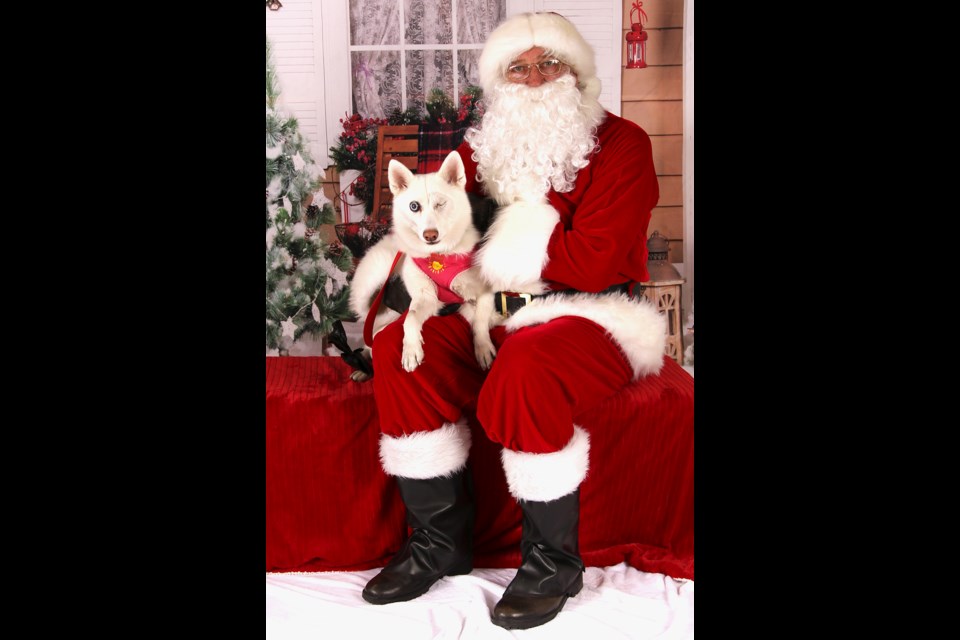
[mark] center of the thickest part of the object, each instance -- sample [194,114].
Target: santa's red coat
[601,238]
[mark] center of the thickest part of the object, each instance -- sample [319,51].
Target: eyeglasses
[547,68]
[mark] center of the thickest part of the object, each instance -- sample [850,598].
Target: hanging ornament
[637,39]
[332,271]
[320,199]
[289,328]
[315,312]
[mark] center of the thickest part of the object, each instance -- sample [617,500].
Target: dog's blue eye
[414,206]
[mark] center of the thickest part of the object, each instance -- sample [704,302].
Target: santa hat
[551,31]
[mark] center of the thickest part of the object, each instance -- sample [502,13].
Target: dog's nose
[431,235]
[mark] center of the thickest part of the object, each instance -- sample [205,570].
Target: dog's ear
[451,171]
[400,177]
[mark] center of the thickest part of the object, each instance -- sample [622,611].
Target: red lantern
[637,39]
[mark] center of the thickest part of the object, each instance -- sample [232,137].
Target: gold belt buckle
[503,301]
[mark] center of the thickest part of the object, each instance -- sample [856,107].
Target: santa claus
[575,186]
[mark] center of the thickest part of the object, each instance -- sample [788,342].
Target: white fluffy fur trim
[638,328]
[542,477]
[591,103]
[427,454]
[371,274]
[548,30]
[515,251]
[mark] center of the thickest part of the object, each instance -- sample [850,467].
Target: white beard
[534,138]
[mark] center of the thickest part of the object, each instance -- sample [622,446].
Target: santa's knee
[521,408]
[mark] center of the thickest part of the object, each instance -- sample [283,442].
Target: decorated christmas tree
[307,290]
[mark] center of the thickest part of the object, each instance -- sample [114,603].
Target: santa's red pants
[543,378]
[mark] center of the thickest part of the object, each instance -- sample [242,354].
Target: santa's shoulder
[618,135]
[613,126]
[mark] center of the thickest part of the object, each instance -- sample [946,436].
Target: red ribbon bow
[637,7]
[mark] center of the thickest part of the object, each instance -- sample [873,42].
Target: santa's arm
[610,220]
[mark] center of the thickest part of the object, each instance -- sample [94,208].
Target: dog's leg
[421,308]
[469,287]
[482,322]
[358,375]
[424,304]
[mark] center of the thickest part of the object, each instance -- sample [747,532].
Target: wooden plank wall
[653,98]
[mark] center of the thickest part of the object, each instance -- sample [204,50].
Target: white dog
[433,227]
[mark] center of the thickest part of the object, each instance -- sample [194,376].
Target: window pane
[467,68]
[427,70]
[374,22]
[376,82]
[427,21]
[477,18]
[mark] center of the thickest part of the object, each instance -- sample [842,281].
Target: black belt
[513,301]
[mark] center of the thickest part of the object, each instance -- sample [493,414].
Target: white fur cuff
[515,251]
[634,323]
[541,477]
[427,454]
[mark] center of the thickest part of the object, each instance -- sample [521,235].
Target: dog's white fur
[427,454]
[542,477]
[432,215]
[368,278]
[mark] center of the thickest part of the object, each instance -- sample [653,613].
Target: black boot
[552,569]
[441,513]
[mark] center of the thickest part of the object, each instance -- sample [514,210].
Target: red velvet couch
[330,507]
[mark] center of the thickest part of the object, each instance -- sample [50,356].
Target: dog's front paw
[412,355]
[359,376]
[485,352]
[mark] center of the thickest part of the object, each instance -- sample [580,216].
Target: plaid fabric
[436,141]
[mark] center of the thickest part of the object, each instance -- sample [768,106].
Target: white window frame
[402,47]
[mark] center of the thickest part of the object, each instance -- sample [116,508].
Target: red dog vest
[442,269]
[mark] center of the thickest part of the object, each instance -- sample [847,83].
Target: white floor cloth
[616,602]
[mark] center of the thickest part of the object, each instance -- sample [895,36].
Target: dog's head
[431,212]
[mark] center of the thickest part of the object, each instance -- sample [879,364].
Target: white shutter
[601,24]
[296,41]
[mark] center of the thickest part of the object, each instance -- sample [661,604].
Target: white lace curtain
[377,74]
